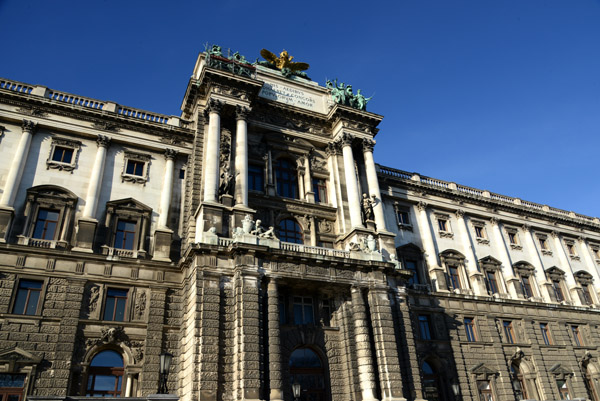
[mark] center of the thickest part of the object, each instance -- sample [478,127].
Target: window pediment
[451,255]
[554,273]
[19,356]
[560,371]
[524,268]
[482,371]
[490,263]
[129,204]
[583,277]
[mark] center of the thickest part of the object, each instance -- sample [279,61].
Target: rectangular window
[470,329]
[46,224]
[479,232]
[576,335]
[62,155]
[303,310]
[543,244]
[125,234]
[115,304]
[586,295]
[412,266]
[443,225]
[403,217]
[425,327]
[563,389]
[512,238]
[320,190]
[326,312]
[571,249]
[490,282]
[454,277]
[256,178]
[526,285]
[509,333]
[545,333]
[135,167]
[28,297]
[558,290]
[485,390]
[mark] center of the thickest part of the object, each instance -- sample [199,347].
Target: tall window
[432,390]
[287,179]
[485,390]
[425,327]
[563,389]
[46,224]
[412,266]
[115,304]
[577,338]
[28,297]
[558,290]
[470,329]
[320,190]
[586,295]
[454,276]
[509,333]
[105,377]
[303,310]
[12,386]
[526,285]
[256,178]
[545,333]
[125,234]
[306,369]
[289,231]
[490,282]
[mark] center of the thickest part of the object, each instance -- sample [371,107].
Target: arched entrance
[432,388]
[306,368]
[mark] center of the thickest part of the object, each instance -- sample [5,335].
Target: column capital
[422,206]
[170,154]
[346,139]
[368,145]
[554,234]
[103,141]
[460,214]
[241,112]
[495,221]
[526,227]
[214,106]
[333,149]
[29,126]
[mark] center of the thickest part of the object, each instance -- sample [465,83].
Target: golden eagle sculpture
[283,63]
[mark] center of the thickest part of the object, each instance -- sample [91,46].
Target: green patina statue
[342,94]
[236,63]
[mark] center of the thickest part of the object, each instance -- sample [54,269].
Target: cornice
[481,201]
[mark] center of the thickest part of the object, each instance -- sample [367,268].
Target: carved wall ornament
[32,111]
[318,164]
[140,304]
[333,149]
[94,297]
[422,206]
[325,226]
[494,221]
[64,154]
[232,92]
[106,126]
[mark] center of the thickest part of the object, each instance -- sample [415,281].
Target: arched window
[431,383]
[105,378]
[307,370]
[518,384]
[287,179]
[290,231]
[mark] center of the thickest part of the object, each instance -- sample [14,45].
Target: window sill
[574,257]
[60,166]
[546,252]
[41,243]
[483,241]
[135,179]
[122,253]
[516,247]
[406,227]
[446,234]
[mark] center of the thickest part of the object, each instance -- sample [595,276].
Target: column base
[162,244]
[7,215]
[84,235]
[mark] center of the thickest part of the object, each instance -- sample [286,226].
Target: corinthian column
[18,164]
[211,172]
[165,198]
[366,372]
[373,182]
[241,156]
[351,181]
[91,199]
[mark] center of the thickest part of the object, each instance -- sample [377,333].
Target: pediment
[19,356]
[129,203]
[489,261]
[52,191]
[555,271]
[409,248]
[582,274]
[452,255]
[524,265]
[482,369]
[558,369]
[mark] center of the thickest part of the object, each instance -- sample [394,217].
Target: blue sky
[502,95]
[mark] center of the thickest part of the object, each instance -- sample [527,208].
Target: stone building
[255,239]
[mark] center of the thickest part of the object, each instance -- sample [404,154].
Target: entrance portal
[306,369]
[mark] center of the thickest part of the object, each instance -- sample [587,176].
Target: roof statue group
[238,64]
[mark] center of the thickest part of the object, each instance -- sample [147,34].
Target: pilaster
[366,372]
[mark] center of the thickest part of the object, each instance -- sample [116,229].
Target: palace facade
[256,240]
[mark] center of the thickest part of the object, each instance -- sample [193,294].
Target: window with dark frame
[509,333]
[586,294]
[412,266]
[256,178]
[526,286]
[46,224]
[454,276]
[576,335]
[115,304]
[326,312]
[490,282]
[470,331]
[403,217]
[425,327]
[62,154]
[512,238]
[443,225]
[543,243]
[287,179]
[479,232]
[320,190]
[303,310]
[518,384]
[125,234]
[546,333]
[27,297]
[571,249]
[563,389]
[12,386]
[558,293]
[485,390]
[289,231]
[135,167]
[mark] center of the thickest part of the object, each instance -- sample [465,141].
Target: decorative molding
[368,145]
[29,126]
[74,146]
[214,106]
[170,154]
[103,141]
[106,126]
[241,112]
[139,157]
